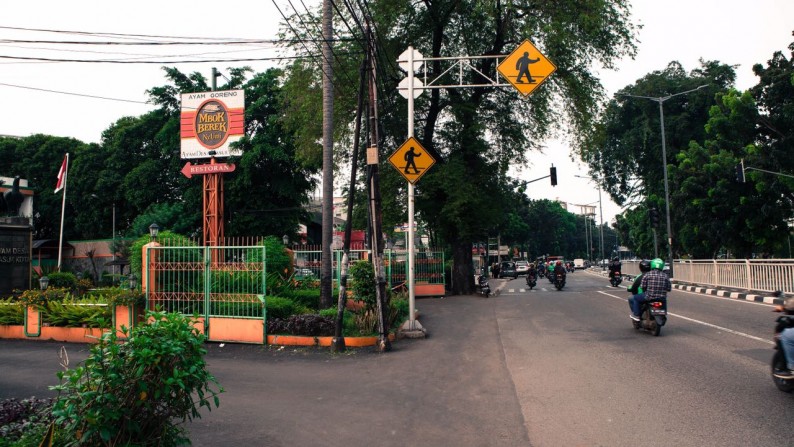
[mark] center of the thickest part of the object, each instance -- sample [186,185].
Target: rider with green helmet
[655,285]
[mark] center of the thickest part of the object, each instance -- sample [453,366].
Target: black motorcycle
[653,315]
[531,280]
[485,288]
[559,281]
[615,279]
[779,359]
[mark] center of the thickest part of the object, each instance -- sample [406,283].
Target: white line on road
[713,326]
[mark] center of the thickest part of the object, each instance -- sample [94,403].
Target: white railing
[766,275]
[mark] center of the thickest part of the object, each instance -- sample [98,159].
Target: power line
[72,94]
[117,61]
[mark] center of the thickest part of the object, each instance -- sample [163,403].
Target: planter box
[298,340]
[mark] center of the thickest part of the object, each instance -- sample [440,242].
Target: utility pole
[373,181]
[338,342]
[328,160]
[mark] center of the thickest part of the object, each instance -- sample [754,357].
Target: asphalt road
[540,368]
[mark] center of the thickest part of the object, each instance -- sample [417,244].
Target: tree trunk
[462,268]
[328,161]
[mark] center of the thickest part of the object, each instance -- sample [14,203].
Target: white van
[578,263]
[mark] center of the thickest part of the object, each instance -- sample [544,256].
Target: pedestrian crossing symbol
[526,68]
[411,160]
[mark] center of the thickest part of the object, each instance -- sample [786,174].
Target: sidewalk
[450,389]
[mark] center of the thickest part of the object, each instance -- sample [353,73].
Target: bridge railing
[764,275]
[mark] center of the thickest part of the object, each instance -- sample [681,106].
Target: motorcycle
[541,272]
[653,315]
[531,280]
[779,362]
[559,281]
[615,279]
[485,288]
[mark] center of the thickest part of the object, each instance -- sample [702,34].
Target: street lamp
[661,101]
[601,217]
[285,239]
[44,282]
[154,230]
[133,281]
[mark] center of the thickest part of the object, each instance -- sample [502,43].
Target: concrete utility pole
[328,160]
[373,181]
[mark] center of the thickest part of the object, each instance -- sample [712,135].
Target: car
[508,269]
[304,273]
[522,267]
[578,263]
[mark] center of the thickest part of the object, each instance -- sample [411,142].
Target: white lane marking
[713,326]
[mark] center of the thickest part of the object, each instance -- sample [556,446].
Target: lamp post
[133,281]
[154,230]
[44,282]
[661,100]
[285,240]
[601,217]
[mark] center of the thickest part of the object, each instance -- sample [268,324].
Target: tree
[475,133]
[625,149]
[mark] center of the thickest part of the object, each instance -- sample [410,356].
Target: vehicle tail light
[656,304]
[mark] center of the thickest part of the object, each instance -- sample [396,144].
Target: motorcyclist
[637,294]
[532,273]
[614,267]
[559,270]
[785,330]
[655,285]
[550,267]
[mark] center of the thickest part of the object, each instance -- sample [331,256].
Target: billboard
[211,121]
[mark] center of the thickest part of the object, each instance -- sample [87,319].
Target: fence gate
[224,287]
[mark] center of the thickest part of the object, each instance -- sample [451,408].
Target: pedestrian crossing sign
[526,68]
[411,160]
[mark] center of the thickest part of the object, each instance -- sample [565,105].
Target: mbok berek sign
[211,121]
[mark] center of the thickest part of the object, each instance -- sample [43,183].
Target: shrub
[278,307]
[307,324]
[363,277]
[309,298]
[348,320]
[140,392]
[86,313]
[36,297]
[11,312]
[123,297]
[63,280]
[23,422]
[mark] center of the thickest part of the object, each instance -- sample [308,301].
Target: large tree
[475,133]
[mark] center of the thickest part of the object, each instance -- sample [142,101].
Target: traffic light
[740,172]
[653,215]
[553,175]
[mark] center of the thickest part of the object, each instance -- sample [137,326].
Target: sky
[81,100]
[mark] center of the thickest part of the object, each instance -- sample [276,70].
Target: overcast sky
[732,32]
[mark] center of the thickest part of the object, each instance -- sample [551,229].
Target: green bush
[348,320]
[139,392]
[363,277]
[305,297]
[85,313]
[63,280]
[11,312]
[279,307]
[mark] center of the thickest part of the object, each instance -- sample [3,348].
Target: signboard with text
[211,121]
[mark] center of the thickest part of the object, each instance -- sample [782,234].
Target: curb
[747,296]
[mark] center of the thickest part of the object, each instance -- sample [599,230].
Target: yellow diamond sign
[411,160]
[526,68]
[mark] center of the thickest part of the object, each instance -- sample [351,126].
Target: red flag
[62,175]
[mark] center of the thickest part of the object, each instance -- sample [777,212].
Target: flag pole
[63,209]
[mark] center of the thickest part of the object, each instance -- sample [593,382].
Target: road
[584,376]
[522,368]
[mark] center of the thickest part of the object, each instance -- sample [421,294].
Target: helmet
[559,262]
[616,259]
[645,265]
[657,264]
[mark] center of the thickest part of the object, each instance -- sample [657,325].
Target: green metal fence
[207,281]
